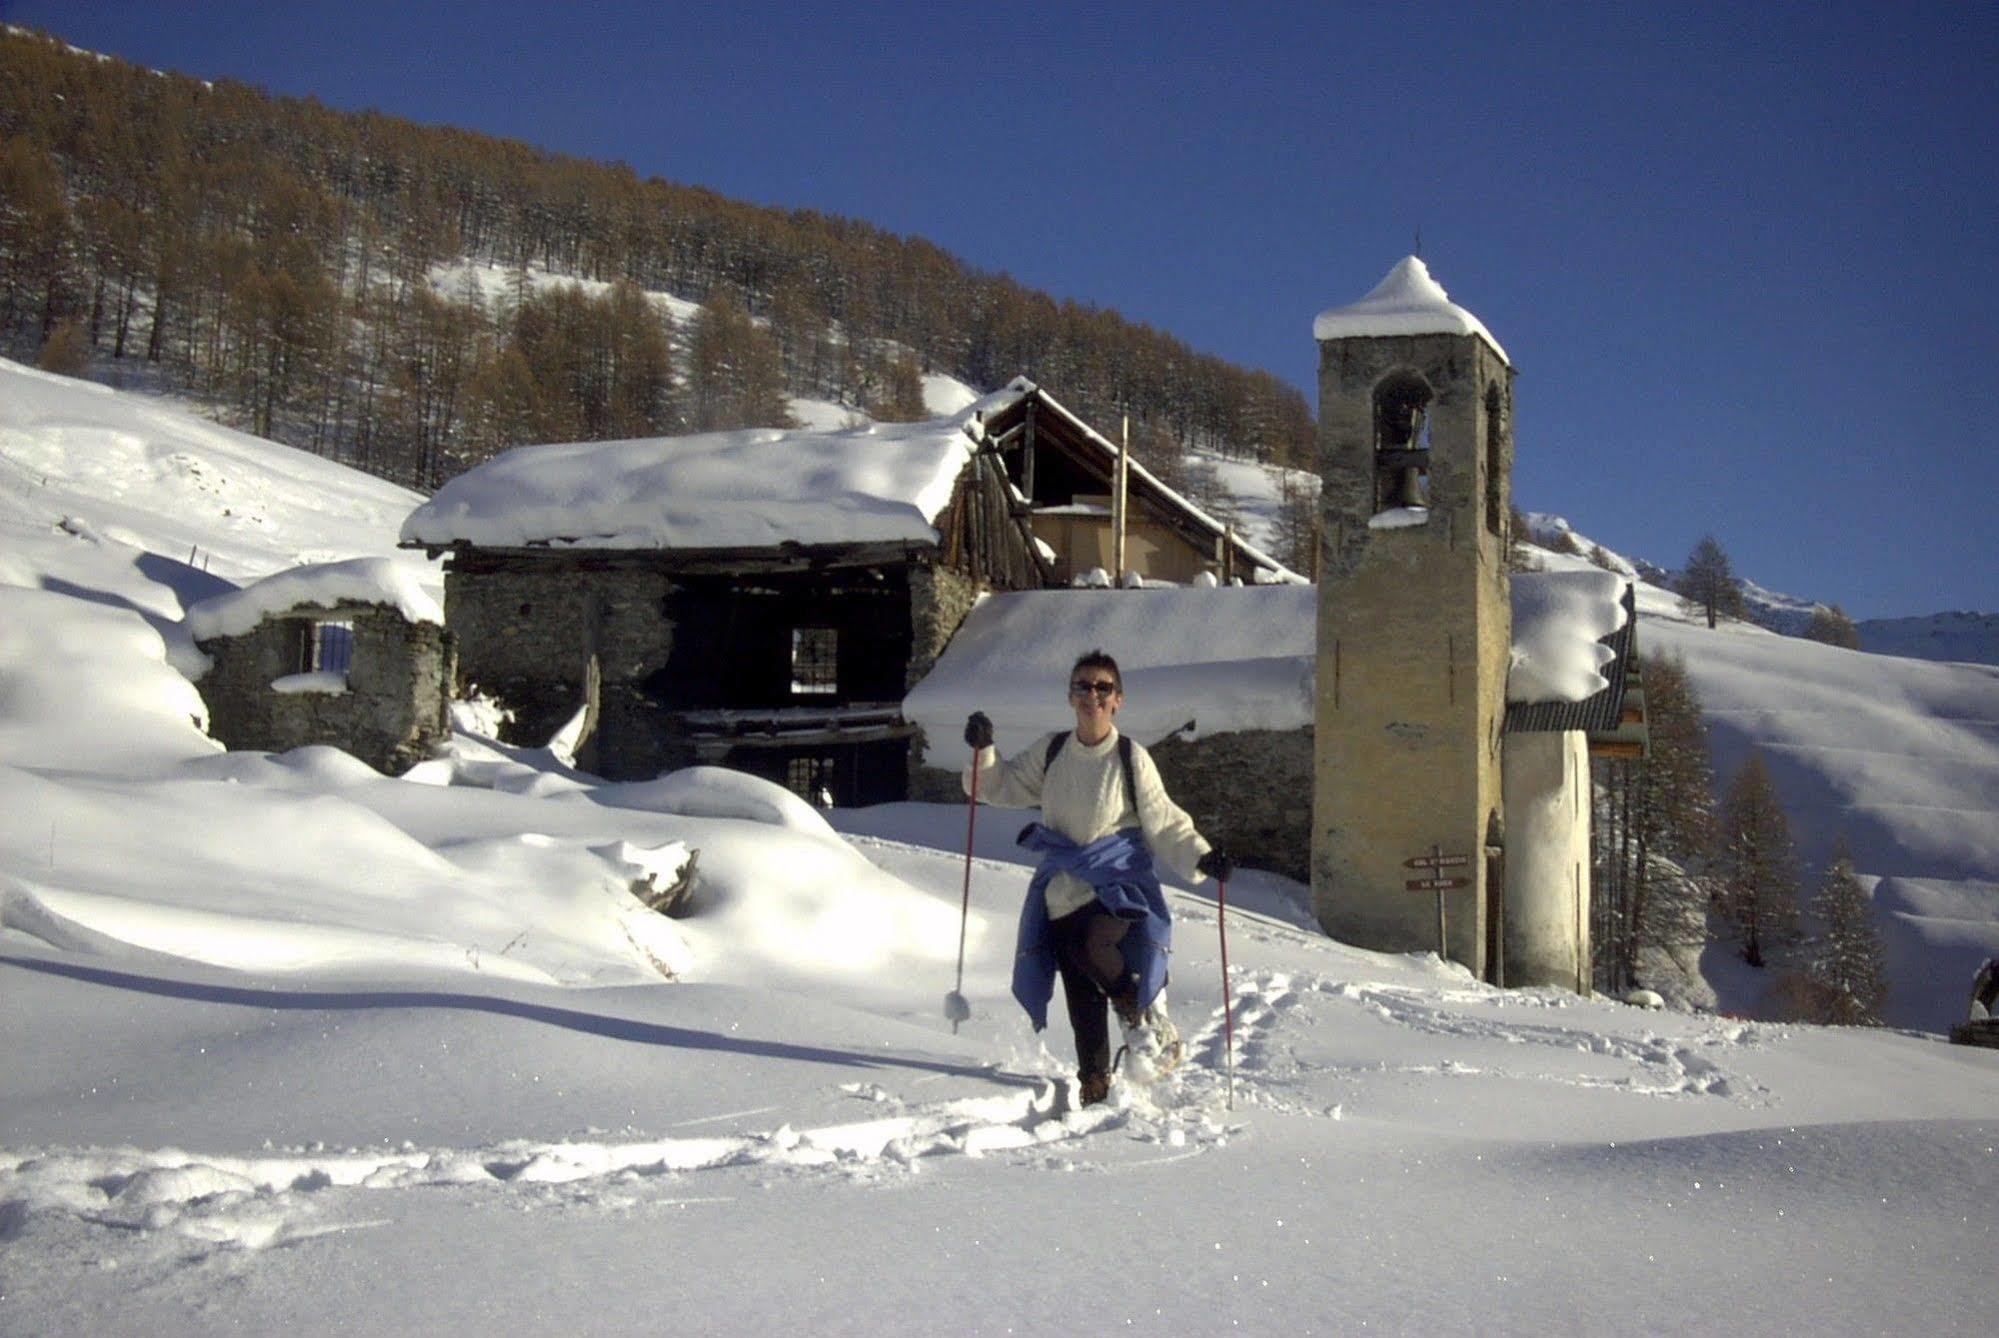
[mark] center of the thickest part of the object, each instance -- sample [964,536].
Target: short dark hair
[1097,659]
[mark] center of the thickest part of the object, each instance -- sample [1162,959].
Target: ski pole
[1228,1004]
[955,1006]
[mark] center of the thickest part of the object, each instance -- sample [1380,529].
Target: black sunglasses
[1102,687]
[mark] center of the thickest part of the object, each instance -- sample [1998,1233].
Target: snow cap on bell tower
[1407,302]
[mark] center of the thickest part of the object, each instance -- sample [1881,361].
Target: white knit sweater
[1083,796]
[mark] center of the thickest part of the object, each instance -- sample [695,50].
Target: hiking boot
[1093,1088]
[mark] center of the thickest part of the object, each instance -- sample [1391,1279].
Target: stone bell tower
[1416,454]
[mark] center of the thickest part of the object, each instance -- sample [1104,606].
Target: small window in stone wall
[815,660]
[326,647]
[811,779]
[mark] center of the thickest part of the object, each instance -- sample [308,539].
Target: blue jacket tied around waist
[1119,868]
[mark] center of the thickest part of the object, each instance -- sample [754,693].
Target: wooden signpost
[1436,862]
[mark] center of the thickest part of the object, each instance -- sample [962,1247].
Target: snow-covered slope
[294,1047]
[1898,758]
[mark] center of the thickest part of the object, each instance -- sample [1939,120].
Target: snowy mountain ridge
[1962,636]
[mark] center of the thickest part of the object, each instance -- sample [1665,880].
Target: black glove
[1216,864]
[978,731]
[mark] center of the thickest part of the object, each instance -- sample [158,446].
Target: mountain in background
[1955,637]
[281,261]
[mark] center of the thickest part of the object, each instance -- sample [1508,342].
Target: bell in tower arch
[1401,443]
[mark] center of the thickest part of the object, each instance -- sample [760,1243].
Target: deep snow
[293,1045]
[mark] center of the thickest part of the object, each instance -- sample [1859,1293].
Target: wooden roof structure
[1035,436]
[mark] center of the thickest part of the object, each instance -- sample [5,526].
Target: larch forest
[277,258]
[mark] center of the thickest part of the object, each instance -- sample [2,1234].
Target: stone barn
[758,599]
[351,654]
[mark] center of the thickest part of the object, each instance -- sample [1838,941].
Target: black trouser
[1093,974]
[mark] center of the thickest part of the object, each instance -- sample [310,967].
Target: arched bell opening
[1402,442]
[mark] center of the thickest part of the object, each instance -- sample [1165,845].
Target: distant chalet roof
[1407,302]
[998,418]
[753,488]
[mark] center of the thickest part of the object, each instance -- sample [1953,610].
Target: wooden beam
[1027,447]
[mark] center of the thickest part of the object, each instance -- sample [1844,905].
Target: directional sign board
[1436,884]
[1437,862]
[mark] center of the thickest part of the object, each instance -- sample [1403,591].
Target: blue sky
[1744,259]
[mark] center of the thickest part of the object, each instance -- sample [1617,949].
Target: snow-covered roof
[1226,658]
[1407,302]
[370,580]
[752,488]
[1559,621]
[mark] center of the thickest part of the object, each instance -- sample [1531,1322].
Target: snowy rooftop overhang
[374,580]
[753,488]
[1226,658]
[1407,302]
[1573,640]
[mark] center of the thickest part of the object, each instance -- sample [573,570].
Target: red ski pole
[956,1008]
[1228,1004]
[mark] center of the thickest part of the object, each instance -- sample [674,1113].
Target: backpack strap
[1124,757]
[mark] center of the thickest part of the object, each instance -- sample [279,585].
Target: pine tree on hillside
[1758,864]
[35,238]
[898,393]
[734,369]
[1297,521]
[66,351]
[1846,977]
[1519,535]
[1708,583]
[1830,624]
[1656,831]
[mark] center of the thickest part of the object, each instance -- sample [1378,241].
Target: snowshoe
[1152,1047]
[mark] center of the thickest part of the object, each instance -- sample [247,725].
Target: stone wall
[527,635]
[1250,792]
[394,713]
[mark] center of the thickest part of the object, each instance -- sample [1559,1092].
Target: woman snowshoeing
[1095,915]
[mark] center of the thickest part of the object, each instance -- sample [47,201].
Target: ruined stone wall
[527,634]
[394,713]
[1250,792]
[532,626]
